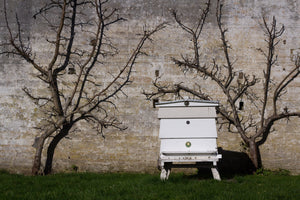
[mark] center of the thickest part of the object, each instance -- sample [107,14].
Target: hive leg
[168,173]
[215,173]
[163,174]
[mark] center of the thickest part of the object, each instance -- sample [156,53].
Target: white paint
[188,128]
[188,134]
[178,146]
[191,103]
[187,112]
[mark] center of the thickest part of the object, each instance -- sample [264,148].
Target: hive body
[188,135]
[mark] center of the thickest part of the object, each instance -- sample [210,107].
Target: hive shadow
[232,163]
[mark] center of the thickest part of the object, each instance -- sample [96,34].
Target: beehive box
[187,133]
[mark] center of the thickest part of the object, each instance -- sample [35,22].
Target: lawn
[145,186]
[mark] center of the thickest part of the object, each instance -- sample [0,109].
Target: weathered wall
[136,149]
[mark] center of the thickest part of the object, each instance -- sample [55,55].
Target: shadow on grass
[232,164]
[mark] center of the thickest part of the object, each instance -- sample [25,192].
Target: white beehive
[187,133]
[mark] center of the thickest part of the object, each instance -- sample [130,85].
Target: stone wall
[136,149]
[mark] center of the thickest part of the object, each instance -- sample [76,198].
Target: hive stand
[188,136]
[165,166]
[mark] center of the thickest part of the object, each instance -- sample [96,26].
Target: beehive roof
[187,103]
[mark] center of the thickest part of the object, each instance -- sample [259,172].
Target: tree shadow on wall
[232,163]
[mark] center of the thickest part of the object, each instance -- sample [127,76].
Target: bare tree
[75,92]
[253,125]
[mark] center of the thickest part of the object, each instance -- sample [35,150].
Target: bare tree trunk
[254,154]
[38,144]
[52,146]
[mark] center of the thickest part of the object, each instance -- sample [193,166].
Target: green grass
[144,186]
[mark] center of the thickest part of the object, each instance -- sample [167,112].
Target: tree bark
[52,146]
[38,144]
[254,154]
